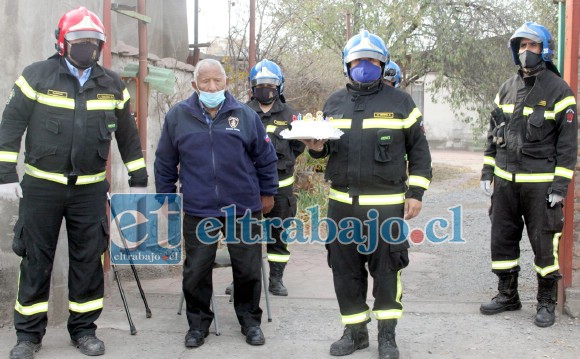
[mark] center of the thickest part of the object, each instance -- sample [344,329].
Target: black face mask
[265,95]
[84,55]
[529,59]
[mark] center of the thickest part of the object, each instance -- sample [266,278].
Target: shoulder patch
[10,96]
[569,115]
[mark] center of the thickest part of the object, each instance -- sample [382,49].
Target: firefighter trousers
[42,209]
[284,207]
[246,261]
[385,264]
[514,204]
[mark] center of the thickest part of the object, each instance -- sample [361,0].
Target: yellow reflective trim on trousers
[392,123]
[524,177]
[339,196]
[287,182]
[6,156]
[487,160]
[271,128]
[356,318]
[86,307]
[554,267]
[566,102]
[419,181]
[135,165]
[381,199]
[505,264]
[41,307]
[280,258]
[343,123]
[104,105]
[57,177]
[563,172]
[392,313]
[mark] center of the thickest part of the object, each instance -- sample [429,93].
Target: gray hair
[207,63]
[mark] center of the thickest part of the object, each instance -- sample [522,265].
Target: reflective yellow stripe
[281,258]
[356,318]
[527,111]
[496,99]
[524,177]
[392,123]
[135,165]
[6,156]
[126,97]
[548,115]
[564,172]
[505,264]
[86,307]
[55,101]
[392,313]
[343,123]
[339,196]
[271,128]
[561,105]
[57,177]
[385,199]
[487,160]
[507,108]
[554,267]
[25,88]
[103,104]
[287,182]
[419,181]
[41,307]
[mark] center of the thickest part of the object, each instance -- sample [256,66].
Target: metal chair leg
[266,292]
[213,309]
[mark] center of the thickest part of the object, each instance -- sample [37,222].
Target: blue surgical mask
[365,71]
[212,99]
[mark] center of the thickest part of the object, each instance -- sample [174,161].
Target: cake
[308,127]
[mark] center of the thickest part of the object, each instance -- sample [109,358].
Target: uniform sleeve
[567,142]
[490,149]
[418,155]
[15,119]
[265,160]
[166,161]
[129,145]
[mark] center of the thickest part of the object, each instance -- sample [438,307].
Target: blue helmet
[392,73]
[534,32]
[267,72]
[362,45]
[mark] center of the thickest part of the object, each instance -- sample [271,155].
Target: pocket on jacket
[107,125]
[535,128]
[37,151]
[383,144]
[105,238]
[18,243]
[554,218]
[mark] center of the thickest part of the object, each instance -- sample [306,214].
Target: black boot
[89,345]
[24,349]
[276,286]
[355,336]
[547,297]
[507,297]
[387,345]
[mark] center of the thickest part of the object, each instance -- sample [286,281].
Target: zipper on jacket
[216,190]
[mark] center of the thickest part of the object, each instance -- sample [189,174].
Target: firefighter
[367,167]
[392,76]
[530,159]
[267,82]
[69,107]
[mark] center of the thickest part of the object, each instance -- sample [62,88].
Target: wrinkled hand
[267,204]
[134,190]
[412,208]
[554,198]
[10,191]
[314,145]
[486,187]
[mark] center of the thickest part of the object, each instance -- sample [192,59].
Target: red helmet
[78,24]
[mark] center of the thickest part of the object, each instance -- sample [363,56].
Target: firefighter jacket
[68,127]
[383,144]
[276,120]
[228,162]
[533,132]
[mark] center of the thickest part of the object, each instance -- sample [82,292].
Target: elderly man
[226,165]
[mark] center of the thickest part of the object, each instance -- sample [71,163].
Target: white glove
[554,198]
[486,187]
[134,190]
[10,191]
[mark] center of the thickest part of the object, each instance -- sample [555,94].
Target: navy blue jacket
[230,162]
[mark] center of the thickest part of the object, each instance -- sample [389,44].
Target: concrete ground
[443,288]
